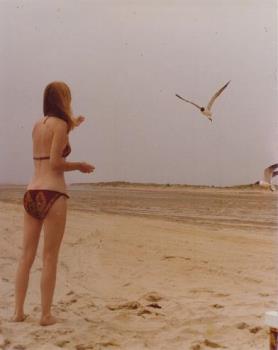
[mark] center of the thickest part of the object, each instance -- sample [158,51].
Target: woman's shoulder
[55,121]
[52,123]
[58,126]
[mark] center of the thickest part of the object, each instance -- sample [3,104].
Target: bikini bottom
[38,202]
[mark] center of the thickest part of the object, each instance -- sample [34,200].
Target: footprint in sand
[62,343]
[255,330]
[242,325]
[63,304]
[130,305]
[72,300]
[152,297]
[144,312]
[168,257]
[217,306]
[65,331]
[90,320]
[108,343]
[97,345]
[212,344]
[19,347]
[155,306]
[135,305]
[84,347]
[127,284]
[196,347]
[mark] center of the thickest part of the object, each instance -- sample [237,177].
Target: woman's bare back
[45,177]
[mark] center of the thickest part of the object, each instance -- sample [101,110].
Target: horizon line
[128,183]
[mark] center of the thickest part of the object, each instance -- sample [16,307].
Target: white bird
[206,111]
[269,174]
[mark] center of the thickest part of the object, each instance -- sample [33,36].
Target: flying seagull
[206,111]
[269,173]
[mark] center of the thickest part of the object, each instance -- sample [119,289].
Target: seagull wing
[194,104]
[214,97]
[273,166]
[268,172]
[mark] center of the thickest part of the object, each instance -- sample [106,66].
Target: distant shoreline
[160,185]
[127,184]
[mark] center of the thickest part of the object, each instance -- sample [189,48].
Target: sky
[124,61]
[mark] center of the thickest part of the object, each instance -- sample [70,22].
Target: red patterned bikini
[38,202]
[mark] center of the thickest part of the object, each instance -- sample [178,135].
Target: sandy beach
[149,267]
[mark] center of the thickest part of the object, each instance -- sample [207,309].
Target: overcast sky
[124,61]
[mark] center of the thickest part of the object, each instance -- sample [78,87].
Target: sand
[149,267]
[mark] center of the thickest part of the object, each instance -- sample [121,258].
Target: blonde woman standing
[45,200]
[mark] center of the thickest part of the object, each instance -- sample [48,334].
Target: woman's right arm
[59,163]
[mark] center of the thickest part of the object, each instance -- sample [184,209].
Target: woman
[45,200]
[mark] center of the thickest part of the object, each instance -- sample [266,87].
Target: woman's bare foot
[19,318]
[48,320]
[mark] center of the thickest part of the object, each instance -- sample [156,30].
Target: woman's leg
[31,234]
[54,226]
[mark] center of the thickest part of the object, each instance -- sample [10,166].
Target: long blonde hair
[57,102]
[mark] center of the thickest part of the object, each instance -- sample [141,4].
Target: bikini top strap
[45,119]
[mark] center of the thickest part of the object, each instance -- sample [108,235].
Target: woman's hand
[78,120]
[86,167]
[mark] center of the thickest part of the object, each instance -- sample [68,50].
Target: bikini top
[65,153]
